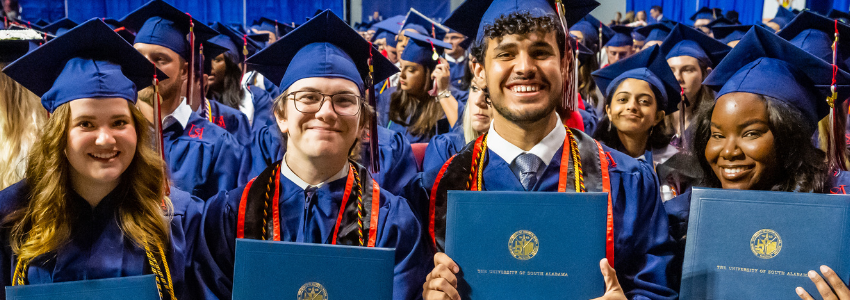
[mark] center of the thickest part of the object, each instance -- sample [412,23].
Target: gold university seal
[766,244]
[523,245]
[312,291]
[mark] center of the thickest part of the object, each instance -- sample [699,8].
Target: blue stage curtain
[842,5]
[749,11]
[435,9]
[209,11]
[681,10]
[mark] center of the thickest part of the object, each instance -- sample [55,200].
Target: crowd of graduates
[151,143]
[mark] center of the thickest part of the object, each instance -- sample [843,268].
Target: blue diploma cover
[760,245]
[284,270]
[120,288]
[521,245]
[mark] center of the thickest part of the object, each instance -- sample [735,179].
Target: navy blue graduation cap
[637,36]
[41,23]
[266,24]
[589,27]
[720,21]
[657,31]
[584,53]
[60,27]
[89,61]
[765,64]
[326,46]
[424,25]
[839,15]
[648,65]
[424,50]
[783,17]
[816,34]
[706,13]
[730,33]
[388,29]
[159,23]
[472,16]
[389,38]
[120,29]
[687,41]
[239,42]
[622,36]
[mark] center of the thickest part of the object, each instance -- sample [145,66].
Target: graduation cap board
[721,21]
[472,16]
[706,13]
[120,29]
[622,37]
[60,27]
[648,65]
[783,17]
[765,64]
[424,50]
[159,23]
[816,34]
[423,25]
[686,41]
[589,28]
[839,15]
[727,34]
[89,61]
[657,31]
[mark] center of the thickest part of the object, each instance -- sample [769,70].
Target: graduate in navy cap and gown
[730,34]
[757,135]
[323,67]
[703,16]
[225,83]
[691,55]
[656,33]
[424,105]
[94,203]
[456,57]
[619,46]
[781,19]
[527,148]
[639,92]
[202,157]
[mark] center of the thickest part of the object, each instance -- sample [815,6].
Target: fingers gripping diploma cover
[121,288]
[760,245]
[284,270]
[520,245]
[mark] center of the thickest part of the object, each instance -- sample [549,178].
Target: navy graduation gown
[231,119]
[441,148]
[458,71]
[397,228]
[263,112]
[382,103]
[588,116]
[203,158]
[642,244]
[98,249]
[398,166]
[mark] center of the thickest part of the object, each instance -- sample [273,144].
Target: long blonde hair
[19,128]
[44,224]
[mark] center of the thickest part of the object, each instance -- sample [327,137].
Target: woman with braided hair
[317,193]
[94,203]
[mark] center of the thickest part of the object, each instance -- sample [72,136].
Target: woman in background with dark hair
[757,135]
[639,92]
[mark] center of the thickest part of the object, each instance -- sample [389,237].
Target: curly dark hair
[517,23]
[659,136]
[801,166]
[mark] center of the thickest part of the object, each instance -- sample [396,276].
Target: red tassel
[836,144]
[682,115]
[244,56]
[205,109]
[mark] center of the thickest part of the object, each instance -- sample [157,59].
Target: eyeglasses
[311,102]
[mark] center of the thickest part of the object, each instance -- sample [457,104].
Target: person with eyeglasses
[317,193]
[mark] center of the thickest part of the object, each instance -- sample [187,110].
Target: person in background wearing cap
[476,119]
[691,55]
[202,157]
[456,58]
[656,33]
[523,71]
[730,34]
[757,134]
[425,104]
[619,46]
[639,92]
[704,16]
[225,85]
[322,111]
[23,117]
[781,19]
[416,22]
[94,203]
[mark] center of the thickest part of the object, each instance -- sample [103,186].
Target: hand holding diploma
[833,288]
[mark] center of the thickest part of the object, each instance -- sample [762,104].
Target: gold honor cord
[161,271]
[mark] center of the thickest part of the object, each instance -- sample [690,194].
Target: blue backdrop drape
[436,9]
[225,11]
[749,11]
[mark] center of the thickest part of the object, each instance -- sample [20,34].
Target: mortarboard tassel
[5,22]
[682,116]
[373,123]
[244,56]
[433,32]
[570,90]
[837,119]
[599,46]
[207,111]
[276,29]
[157,125]
[190,87]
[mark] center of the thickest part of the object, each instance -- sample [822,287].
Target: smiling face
[323,134]
[633,108]
[523,75]
[741,149]
[101,140]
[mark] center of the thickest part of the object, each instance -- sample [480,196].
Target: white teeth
[105,155]
[733,171]
[524,88]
